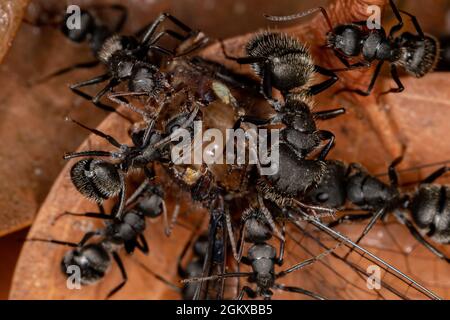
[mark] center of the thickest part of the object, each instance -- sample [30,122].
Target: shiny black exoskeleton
[101,179]
[262,257]
[298,139]
[92,259]
[127,59]
[429,205]
[417,54]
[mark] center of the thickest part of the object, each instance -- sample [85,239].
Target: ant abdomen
[418,56]
[92,261]
[96,179]
[290,63]
[430,210]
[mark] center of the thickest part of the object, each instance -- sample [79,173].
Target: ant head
[96,179]
[346,39]
[90,261]
[418,56]
[78,34]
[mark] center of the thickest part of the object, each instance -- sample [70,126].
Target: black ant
[92,30]
[262,257]
[417,53]
[94,258]
[100,179]
[429,205]
[126,60]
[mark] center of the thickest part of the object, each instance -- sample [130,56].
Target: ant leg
[82,65]
[123,194]
[249,291]
[329,114]
[85,239]
[418,236]
[398,16]
[95,215]
[326,135]
[377,216]
[231,234]
[305,263]
[173,220]
[138,191]
[318,88]
[269,218]
[348,66]
[212,231]
[350,217]
[143,246]
[122,271]
[107,137]
[282,245]
[152,28]
[299,290]
[393,176]
[371,85]
[72,155]
[396,78]
[95,100]
[241,60]
[415,23]
[435,175]
[301,15]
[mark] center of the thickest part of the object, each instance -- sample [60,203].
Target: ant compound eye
[95,179]
[322,197]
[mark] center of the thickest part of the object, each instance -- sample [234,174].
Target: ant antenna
[301,15]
